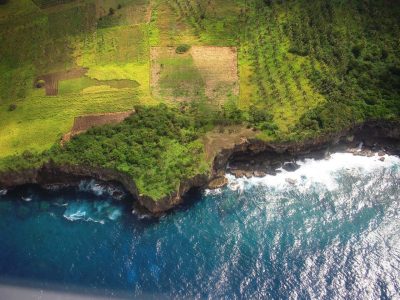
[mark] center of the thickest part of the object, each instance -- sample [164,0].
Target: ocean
[329,230]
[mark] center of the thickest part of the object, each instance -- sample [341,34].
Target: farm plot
[201,73]
[122,12]
[84,123]
[51,80]
[168,28]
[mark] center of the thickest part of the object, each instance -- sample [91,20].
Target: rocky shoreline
[248,158]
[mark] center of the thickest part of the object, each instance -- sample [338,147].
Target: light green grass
[180,78]
[40,121]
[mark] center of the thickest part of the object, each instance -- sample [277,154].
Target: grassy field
[57,39]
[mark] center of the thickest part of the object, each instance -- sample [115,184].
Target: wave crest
[323,172]
[98,212]
[99,189]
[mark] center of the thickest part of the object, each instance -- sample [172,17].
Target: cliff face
[248,154]
[69,175]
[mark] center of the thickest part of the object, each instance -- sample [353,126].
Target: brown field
[218,67]
[83,123]
[206,70]
[51,80]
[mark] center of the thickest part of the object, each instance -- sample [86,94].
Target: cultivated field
[202,72]
[100,56]
[83,123]
[91,61]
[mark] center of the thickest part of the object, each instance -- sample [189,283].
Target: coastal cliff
[249,157]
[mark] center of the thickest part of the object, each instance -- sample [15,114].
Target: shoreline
[250,158]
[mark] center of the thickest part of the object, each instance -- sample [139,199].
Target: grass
[168,28]
[39,122]
[57,40]
[181,77]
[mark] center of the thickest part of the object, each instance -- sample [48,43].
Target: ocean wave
[311,172]
[27,199]
[98,212]
[212,192]
[100,189]
[139,215]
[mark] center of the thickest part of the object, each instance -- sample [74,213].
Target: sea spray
[92,211]
[313,171]
[101,189]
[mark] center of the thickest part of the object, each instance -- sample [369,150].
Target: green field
[305,68]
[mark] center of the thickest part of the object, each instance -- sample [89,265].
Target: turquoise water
[332,233]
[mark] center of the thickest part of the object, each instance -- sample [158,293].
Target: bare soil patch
[218,67]
[51,80]
[83,123]
[225,138]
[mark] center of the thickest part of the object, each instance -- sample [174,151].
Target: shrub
[182,48]
[111,11]
[297,51]
[12,107]
[40,83]
[356,50]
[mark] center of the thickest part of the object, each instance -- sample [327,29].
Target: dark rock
[259,173]
[218,182]
[290,166]
[248,174]
[238,173]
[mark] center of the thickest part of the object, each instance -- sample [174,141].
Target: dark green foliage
[158,147]
[111,11]
[12,107]
[231,114]
[182,48]
[3,2]
[261,119]
[353,48]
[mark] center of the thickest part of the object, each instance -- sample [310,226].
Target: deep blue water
[334,234]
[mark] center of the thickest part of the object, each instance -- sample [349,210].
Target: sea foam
[313,171]
[92,186]
[98,211]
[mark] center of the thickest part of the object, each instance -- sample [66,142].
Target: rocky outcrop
[218,182]
[249,157]
[257,157]
[72,175]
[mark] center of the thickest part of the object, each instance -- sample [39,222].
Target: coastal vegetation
[292,70]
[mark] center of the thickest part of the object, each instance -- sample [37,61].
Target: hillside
[292,70]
